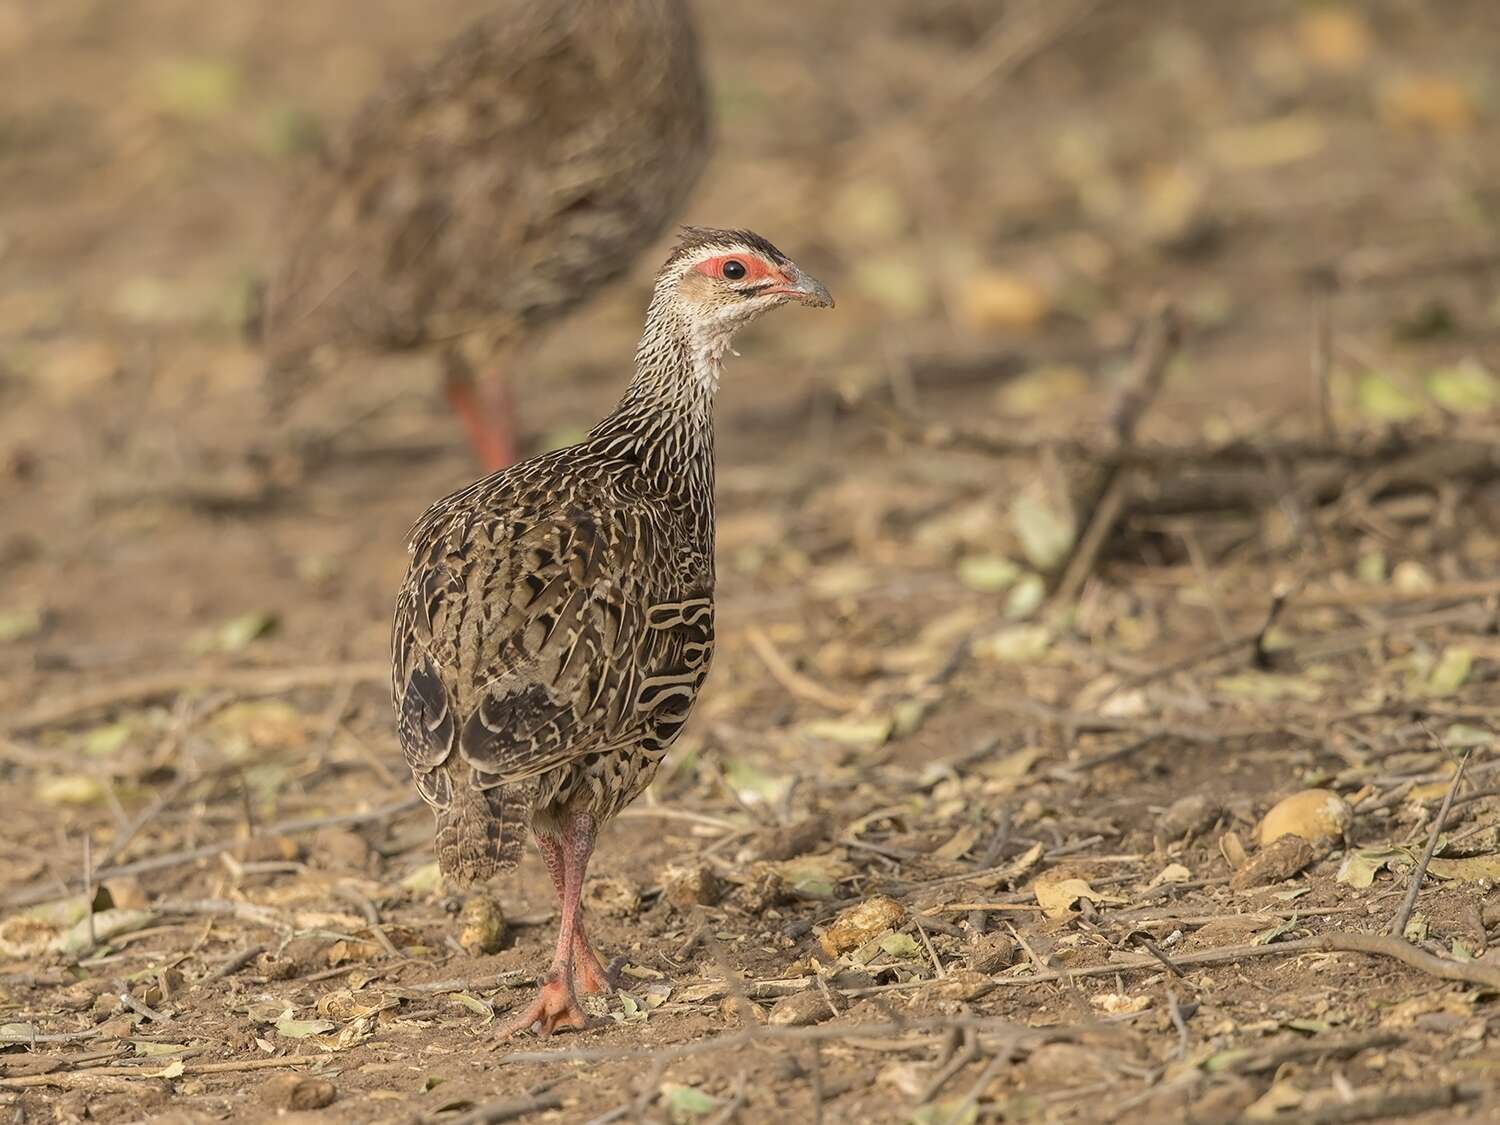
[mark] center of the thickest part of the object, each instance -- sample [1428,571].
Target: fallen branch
[1419,873]
[1102,496]
[71,1078]
[791,679]
[502,1109]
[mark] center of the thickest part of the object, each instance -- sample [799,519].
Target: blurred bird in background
[479,198]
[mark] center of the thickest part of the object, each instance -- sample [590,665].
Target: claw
[555,1008]
[592,978]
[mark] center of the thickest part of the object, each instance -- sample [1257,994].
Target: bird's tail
[481,832]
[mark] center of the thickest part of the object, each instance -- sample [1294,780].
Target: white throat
[710,342]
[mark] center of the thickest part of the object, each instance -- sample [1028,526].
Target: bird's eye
[734,269]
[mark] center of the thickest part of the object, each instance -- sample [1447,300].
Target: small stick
[88,885]
[1174,1009]
[1322,364]
[1102,499]
[1159,953]
[142,1008]
[1398,923]
[1264,658]
[961,1058]
[794,681]
[235,962]
[503,1109]
[931,952]
[817,1081]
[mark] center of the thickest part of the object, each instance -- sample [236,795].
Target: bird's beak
[806,289]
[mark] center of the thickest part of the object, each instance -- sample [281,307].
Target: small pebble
[690,886]
[992,952]
[1188,816]
[800,1009]
[299,1092]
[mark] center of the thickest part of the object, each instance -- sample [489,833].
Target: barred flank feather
[481,833]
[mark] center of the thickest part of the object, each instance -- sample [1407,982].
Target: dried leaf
[1026,597]
[1452,670]
[1269,144]
[1465,388]
[70,789]
[1432,102]
[903,947]
[958,845]
[1119,1003]
[1012,766]
[195,89]
[145,1048]
[993,299]
[686,1103]
[988,574]
[479,1007]
[1058,896]
[1382,397]
[173,1069]
[754,785]
[1045,525]
[950,1111]
[1470,869]
[1335,36]
[1171,873]
[237,633]
[19,624]
[855,925]
[107,924]
[868,732]
[423,879]
[1269,686]
[100,742]
[289,1028]
[1015,644]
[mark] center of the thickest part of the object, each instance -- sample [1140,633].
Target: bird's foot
[591,976]
[555,1008]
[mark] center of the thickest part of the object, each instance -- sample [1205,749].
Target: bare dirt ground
[1037,771]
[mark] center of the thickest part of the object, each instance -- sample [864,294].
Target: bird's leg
[485,409]
[556,1005]
[590,975]
[499,405]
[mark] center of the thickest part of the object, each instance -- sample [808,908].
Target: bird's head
[720,280]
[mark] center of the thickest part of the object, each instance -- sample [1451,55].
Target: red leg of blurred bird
[488,419]
[556,1005]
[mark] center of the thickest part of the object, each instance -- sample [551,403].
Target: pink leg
[488,419]
[556,1006]
[591,976]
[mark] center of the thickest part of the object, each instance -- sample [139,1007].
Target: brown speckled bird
[481,197]
[556,621]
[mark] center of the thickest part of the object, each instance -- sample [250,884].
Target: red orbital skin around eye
[755,268]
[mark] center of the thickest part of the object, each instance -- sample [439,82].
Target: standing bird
[556,621]
[477,199]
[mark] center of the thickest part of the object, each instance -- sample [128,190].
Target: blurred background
[998,193]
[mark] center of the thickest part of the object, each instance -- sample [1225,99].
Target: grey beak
[810,291]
